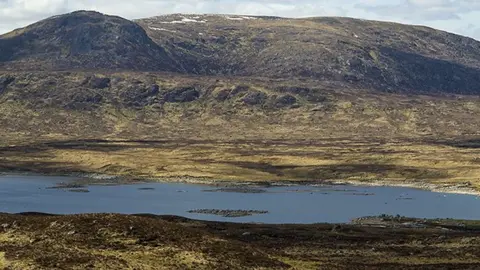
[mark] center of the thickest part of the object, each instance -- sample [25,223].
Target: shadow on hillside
[343,171]
[100,145]
[41,166]
[35,158]
[426,75]
[37,149]
[460,143]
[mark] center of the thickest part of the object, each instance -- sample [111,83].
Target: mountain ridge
[326,48]
[384,56]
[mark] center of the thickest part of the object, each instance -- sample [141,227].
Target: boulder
[4,82]
[83,100]
[154,90]
[187,94]
[98,83]
[222,95]
[255,98]
[139,95]
[239,89]
[286,100]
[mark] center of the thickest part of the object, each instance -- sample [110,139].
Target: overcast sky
[458,16]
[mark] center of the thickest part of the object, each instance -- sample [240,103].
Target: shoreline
[437,188]
[119,179]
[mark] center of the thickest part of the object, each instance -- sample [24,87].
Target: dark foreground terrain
[108,241]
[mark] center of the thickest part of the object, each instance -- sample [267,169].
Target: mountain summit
[84,40]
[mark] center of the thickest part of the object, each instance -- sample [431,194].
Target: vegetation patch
[228,213]
[111,241]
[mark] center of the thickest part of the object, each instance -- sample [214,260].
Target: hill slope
[368,54]
[317,76]
[379,55]
[83,40]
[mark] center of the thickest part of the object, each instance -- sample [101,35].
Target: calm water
[299,204]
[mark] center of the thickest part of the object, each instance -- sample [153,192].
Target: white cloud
[18,13]
[423,10]
[450,15]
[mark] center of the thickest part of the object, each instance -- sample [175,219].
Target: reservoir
[280,204]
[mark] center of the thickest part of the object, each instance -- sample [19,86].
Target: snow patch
[162,29]
[233,19]
[239,18]
[186,20]
[192,20]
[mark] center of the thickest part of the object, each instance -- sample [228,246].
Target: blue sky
[458,16]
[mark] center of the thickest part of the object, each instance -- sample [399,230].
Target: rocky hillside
[83,40]
[158,105]
[384,56]
[84,74]
[373,55]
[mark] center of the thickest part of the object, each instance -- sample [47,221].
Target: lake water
[293,204]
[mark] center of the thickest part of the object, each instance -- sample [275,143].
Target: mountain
[83,40]
[380,55]
[384,56]
[86,74]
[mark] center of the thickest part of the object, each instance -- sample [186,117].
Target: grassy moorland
[396,163]
[100,241]
[170,127]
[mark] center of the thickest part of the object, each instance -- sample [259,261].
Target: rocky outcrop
[97,83]
[186,94]
[4,82]
[286,100]
[255,98]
